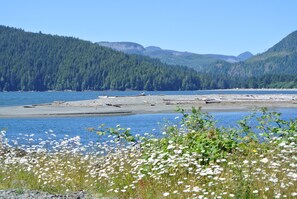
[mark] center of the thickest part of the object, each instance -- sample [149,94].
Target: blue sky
[201,26]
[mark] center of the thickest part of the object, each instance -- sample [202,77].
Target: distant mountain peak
[153,48]
[126,47]
[244,56]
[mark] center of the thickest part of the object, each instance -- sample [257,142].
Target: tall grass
[193,159]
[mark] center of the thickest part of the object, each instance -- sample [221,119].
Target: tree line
[40,62]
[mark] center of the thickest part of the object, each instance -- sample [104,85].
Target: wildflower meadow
[193,158]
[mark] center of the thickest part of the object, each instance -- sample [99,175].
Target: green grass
[194,159]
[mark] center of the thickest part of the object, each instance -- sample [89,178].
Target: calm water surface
[77,126]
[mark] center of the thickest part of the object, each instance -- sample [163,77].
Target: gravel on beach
[29,194]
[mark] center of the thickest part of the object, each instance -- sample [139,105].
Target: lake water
[43,128]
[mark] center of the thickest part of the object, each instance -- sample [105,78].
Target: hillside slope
[197,61]
[36,61]
[277,67]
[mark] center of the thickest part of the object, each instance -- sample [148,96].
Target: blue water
[28,98]
[43,128]
[22,128]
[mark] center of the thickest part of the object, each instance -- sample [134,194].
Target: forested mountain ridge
[197,61]
[279,59]
[39,62]
[289,44]
[277,67]
[36,61]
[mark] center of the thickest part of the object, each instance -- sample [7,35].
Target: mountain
[232,59]
[244,56]
[193,60]
[126,47]
[279,59]
[288,44]
[196,61]
[36,61]
[277,67]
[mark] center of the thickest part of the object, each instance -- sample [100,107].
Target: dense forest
[275,68]
[36,61]
[40,62]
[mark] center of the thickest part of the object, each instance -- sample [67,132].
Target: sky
[227,27]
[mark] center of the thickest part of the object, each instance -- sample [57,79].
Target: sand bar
[105,105]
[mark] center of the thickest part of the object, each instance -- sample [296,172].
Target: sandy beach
[105,105]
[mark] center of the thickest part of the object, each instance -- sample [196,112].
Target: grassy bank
[193,159]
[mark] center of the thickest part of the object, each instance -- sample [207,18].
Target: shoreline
[227,89]
[150,104]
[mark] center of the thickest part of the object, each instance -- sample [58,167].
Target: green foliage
[119,134]
[197,121]
[31,61]
[198,134]
[268,126]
